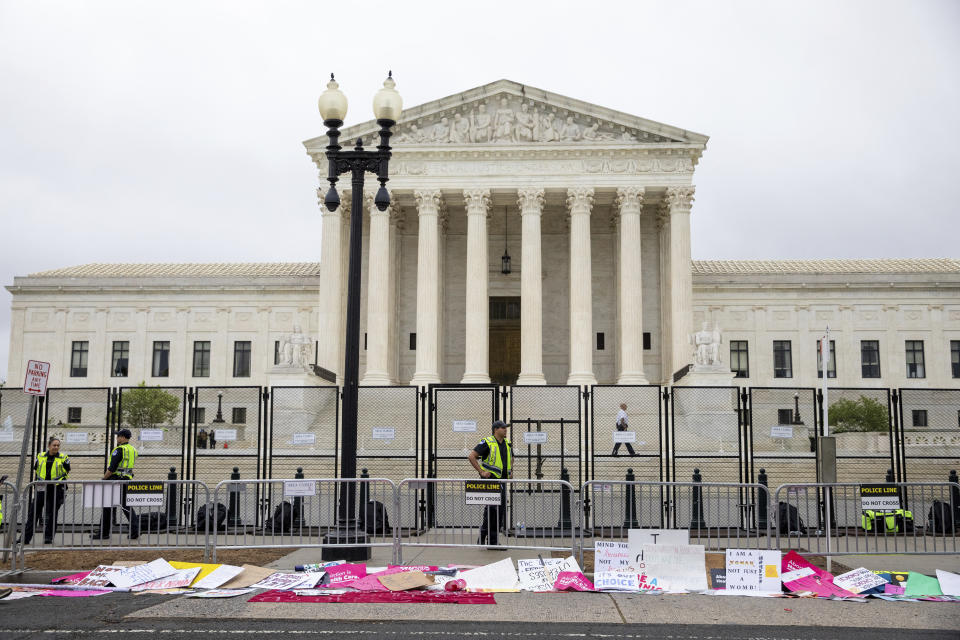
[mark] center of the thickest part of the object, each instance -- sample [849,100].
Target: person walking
[623,424]
[122,460]
[493,458]
[53,467]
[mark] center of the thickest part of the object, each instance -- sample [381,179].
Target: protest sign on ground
[677,567]
[949,583]
[859,580]
[251,574]
[179,578]
[218,577]
[610,556]
[800,575]
[639,537]
[498,576]
[102,576]
[133,576]
[282,581]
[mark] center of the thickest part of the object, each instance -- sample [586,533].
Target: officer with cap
[493,458]
[122,460]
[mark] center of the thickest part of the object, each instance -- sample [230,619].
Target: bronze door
[504,340]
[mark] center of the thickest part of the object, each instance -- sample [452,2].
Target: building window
[276,352]
[120,359]
[364,341]
[201,359]
[915,368]
[239,415]
[870,358]
[601,340]
[241,359]
[73,415]
[413,342]
[955,358]
[646,340]
[782,359]
[161,359]
[739,359]
[784,416]
[78,359]
[198,415]
[831,364]
[919,417]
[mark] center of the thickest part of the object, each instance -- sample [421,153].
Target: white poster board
[304,438]
[534,437]
[132,576]
[464,425]
[677,567]
[384,433]
[101,495]
[497,576]
[638,537]
[151,435]
[624,436]
[225,434]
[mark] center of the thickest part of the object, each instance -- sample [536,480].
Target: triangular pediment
[508,113]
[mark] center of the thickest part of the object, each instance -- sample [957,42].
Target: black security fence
[672,434]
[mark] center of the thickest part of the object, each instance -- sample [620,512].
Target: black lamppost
[387,105]
[219,419]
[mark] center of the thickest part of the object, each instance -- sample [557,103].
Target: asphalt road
[104,617]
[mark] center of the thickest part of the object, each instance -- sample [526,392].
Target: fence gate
[303,432]
[862,421]
[81,418]
[782,430]
[706,433]
[646,454]
[546,432]
[157,418]
[388,433]
[929,421]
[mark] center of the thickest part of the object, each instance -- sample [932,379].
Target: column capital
[368,202]
[629,200]
[478,201]
[429,201]
[339,212]
[530,201]
[680,198]
[580,200]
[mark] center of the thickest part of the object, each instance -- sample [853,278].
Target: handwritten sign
[637,538]
[35,381]
[384,433]
[464,425]
[752,571]
[304,438]
[610,556]
[616,581]
[101,576]
[781,431]
[534,437]
[858,580]
[133,576]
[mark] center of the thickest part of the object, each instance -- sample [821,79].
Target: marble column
[580,203]
[530,202]
[666,338]
[630,202]
[429,202]
[332,276]
[378,298]
[679,201]
[477,360]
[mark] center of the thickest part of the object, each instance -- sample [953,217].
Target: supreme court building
[593,208]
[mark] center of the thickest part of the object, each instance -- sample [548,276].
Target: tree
[863,414]
[145,407]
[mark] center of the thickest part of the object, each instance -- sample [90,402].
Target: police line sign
[144,494]
[879,497]
[486,492]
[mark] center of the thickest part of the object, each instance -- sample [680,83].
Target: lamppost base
[343,539]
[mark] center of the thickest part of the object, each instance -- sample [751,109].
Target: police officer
[122,460]
[493,458]
[51,465]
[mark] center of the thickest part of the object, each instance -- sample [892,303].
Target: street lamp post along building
[332,104]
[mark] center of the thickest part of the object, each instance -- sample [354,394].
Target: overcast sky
[171,131]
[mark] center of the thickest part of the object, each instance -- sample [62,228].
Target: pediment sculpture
[514,120]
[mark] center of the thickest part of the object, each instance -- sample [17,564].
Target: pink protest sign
[800,575]
[343,573]
[893,589]
[572,581]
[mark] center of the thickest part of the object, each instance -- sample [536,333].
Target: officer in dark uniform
[493,458]
[122,460]
[50,465]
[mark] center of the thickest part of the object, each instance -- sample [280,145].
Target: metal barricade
[533,514]
[903,517]
[719,515]
[303,512]
[10,498]
[98,514]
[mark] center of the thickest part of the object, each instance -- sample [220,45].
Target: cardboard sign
[151,435]
[859,580]
[35,381]
[101,495]
[77,437]
[144,494]
[405,580]
[639,537]
[225,434]
[610,556]
[879,497]
[677,567]
[250,575]
[464,425]
[304,438]
[624,436]
[485,492]
[616,581]
[534,437]
[299,488]
[781,431]
[384,433]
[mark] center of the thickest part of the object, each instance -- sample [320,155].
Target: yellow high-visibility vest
[492,462]
[125,470]
[58,472]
